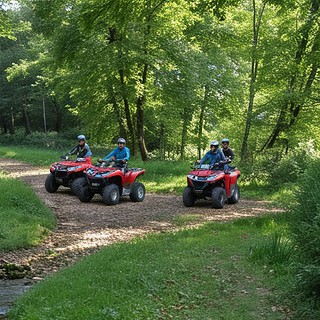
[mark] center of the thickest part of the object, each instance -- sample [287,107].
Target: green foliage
[306,215]
[195,273]
[24,220]
[276,175]
[276,251]
[37,139]
[305,225]
[6,24]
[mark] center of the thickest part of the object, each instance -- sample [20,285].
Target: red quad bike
[65,173]
[207,181]
[112,179]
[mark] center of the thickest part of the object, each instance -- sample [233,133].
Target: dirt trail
[83,228]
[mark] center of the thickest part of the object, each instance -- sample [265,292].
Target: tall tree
[302,78]
[257,15]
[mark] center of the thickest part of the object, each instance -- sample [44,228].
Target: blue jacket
[213,157]
[119,154]
[82,152]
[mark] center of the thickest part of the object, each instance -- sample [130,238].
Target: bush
[305,226]
[52,140]
[277,169]
[306,215]
[276,250]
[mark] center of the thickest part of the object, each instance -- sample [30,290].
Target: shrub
[52,140]
[305,226]
[306,215]
[276,169]
[275,250]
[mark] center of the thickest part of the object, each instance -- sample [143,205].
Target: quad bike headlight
[73,168]
[210,178]
[192,177]
[105,174]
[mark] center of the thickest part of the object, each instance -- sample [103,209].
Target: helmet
[214,143]
[81,137]
[121,140]
[225,140]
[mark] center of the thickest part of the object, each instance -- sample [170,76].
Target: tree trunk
[26,121]
[141,100]
[184,133]
[162,151]
[12,129]
[142,97]
[201,117]
[140,124]
[122,128]
[127,112]
[256,23]
[58,113]
[44,115]
[4,125]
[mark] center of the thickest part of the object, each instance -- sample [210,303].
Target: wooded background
[169,76]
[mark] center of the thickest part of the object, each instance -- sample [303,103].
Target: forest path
[83,228]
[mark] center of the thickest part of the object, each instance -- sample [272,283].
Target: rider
[215,155]
[119,153]
[82,149]
[228,152]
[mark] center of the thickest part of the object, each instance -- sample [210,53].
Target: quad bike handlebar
[67,158]
[113,163]
[217,165]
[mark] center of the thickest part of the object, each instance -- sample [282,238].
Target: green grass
[35,156]
[200,273]
[24,219]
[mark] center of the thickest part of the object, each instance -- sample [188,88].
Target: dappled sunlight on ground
[83,228]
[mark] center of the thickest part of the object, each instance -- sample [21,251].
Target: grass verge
[24,219]
[202,273]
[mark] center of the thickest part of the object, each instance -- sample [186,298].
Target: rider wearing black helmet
[228,152]
[119,153]
[82,149]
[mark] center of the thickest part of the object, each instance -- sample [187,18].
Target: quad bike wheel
[51,184]
[218,197]
[81,188]
[138,192]
[188,197]
[110,194]
[74,186]
[235,196]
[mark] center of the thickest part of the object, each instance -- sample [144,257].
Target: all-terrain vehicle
[206,181]
[112,179]
[66,172]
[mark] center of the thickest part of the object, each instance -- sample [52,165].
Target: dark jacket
[82,152]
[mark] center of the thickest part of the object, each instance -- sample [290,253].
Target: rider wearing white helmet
[119,153]
[82,149]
